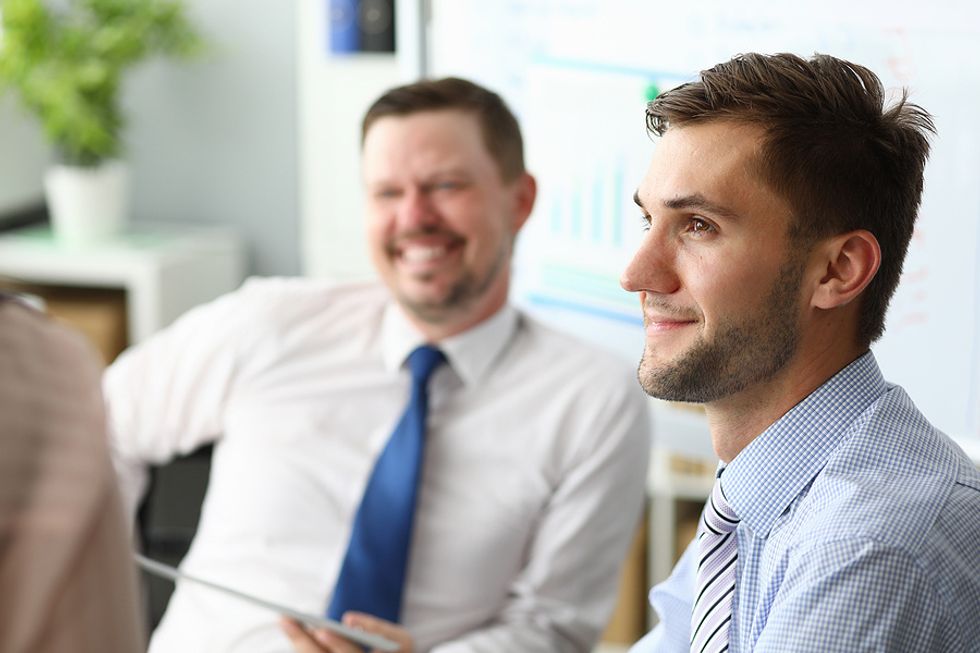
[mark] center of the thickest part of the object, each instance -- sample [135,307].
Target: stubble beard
[740,355]
[463,294]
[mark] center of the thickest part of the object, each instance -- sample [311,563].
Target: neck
[463,319]
[737,420]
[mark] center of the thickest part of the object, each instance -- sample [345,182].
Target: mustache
[659,305]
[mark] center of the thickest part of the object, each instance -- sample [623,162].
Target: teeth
[419,254]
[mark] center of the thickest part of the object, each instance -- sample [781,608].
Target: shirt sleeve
[564,595]
[672,601]
[165,397]
[857,596]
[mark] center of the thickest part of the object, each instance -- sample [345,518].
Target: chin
[425,293]
[428,305]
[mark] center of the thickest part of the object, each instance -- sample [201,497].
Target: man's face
[719,286]
[441,221]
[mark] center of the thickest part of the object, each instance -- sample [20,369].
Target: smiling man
[780,203]
[478,517]
[443,215]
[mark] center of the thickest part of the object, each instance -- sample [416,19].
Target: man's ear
[849,262]
[525,192]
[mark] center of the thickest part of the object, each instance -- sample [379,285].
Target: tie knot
[423,361]
[718,514]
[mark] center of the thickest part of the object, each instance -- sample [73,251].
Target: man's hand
[320,640]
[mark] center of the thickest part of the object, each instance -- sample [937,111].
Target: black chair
[168,519]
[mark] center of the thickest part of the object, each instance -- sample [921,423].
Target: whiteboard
[578,74]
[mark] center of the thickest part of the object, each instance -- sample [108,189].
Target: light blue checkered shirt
[860,531]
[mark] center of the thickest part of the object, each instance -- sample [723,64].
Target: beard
[740,355]
[464,292]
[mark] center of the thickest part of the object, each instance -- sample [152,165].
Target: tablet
[313,621]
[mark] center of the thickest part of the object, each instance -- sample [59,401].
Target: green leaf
[66,65]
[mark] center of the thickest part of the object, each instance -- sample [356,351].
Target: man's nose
[416,211]
[652,268]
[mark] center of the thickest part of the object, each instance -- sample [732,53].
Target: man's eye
[700,226]
[386,193]
[448,185]
[645,222]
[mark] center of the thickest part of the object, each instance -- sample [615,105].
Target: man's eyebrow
[696,201]
[699,202]
[447,171]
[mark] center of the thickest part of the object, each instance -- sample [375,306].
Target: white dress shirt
[533,478]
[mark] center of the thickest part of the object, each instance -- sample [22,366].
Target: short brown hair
[832,149]
[501,133]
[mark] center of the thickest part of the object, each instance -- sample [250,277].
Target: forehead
[718,161]
[424,141]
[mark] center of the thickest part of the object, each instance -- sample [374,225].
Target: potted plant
[65,60]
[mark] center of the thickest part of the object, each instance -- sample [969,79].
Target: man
[530,436]
[66,579]
[780,203]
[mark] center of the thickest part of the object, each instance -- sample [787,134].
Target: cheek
[376,248]
[729,287]
[461,213]
[375,228]
[480,226]
[488,242]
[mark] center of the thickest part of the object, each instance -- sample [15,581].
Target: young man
[780,203]
[530,435]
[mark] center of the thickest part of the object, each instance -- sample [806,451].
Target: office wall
[215,140]
[23,157]
[334,92]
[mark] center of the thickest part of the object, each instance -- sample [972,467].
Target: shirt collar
[470,353]
[764,478]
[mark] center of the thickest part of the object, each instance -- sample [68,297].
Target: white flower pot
[87,205]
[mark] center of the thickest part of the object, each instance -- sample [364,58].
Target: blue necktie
[373,574]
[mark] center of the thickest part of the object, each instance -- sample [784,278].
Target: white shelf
[164,270]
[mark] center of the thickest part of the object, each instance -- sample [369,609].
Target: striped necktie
[711,619]
[372,577]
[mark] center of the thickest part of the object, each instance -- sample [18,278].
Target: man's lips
[662,324]
[664,318]
[424,253]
